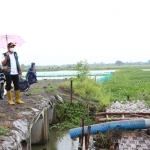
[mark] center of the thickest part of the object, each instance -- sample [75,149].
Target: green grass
[70,115]
[129,81]
[90,67]
[3,131]
[2,115]
[88,89]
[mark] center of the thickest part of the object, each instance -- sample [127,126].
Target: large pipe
[114,125]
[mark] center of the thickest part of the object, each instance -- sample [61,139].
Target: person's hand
[6,68]
[20,72]
[7,54]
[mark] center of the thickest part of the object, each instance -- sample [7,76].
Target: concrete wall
[34,132]
[40,128]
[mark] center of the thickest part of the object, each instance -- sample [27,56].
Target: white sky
[60,32]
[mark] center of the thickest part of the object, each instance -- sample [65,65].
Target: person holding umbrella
[10,59]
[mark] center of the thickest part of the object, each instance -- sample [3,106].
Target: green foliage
[70,115]
[65,86]
[83,69]
[105,140]
[91,90]
[130,81]
[2,115]
[118,62]
[3,130]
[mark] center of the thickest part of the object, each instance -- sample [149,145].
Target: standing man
[10,59]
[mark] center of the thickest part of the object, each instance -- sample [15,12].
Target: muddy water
[58,141]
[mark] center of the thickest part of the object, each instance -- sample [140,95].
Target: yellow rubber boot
[9,95]
[17,96]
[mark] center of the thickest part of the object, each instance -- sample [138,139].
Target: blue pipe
[114,125]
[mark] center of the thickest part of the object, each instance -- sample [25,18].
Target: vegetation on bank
[69,115]
[87,88]
[111,67]
[126,84]
[130,83]
[3,131]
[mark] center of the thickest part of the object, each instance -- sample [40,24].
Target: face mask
[12,49]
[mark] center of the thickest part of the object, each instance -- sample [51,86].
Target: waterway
[60,141]
[69,74]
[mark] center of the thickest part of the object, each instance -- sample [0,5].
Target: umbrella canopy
[5,39]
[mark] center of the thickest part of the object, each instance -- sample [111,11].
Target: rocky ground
[134,106]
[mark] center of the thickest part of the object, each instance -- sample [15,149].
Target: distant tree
[23,66]
[118,62]
[149,61]
[83,69]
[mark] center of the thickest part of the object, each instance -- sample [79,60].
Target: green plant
[89,89]
[105,140]
[82,68]
[70,115]
[37,90]
[44,87]
[130,82]
[3,130]
[28,93]
[2,115]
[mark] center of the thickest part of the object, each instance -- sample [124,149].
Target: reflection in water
[58,141]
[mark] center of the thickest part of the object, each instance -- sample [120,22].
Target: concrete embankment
[25,132]
[29,123]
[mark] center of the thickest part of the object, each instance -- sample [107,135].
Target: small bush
[70,115]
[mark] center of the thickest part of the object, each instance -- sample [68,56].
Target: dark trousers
[9,79]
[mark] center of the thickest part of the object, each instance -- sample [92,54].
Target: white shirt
[13,69]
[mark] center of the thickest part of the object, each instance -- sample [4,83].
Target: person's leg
[15,79]
[8,88]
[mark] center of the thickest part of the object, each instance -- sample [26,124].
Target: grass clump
[89,89]
[2,115]
[3,131]
[70,115]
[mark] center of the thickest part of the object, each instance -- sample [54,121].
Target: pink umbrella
[5,39]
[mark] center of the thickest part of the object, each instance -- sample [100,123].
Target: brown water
[58,141]
[61,141]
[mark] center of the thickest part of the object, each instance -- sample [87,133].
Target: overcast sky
[58,32]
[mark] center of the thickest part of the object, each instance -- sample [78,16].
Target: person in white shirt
[10,59]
